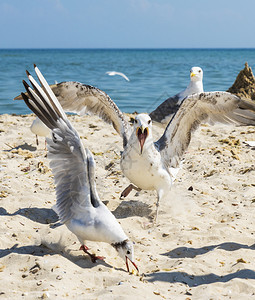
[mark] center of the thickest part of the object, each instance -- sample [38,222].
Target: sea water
[155,74]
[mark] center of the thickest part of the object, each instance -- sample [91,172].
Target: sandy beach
[201,248]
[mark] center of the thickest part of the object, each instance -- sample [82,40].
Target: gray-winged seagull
[78,204]
[165,111]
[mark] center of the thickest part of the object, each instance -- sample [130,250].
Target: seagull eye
[128,252]
[199,71]
[149,121]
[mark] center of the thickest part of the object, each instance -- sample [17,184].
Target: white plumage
[39,129]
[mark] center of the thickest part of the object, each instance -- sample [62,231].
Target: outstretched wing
[72,166]
[81,98]
[210,107]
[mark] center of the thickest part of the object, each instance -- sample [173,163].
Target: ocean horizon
[155,73]
[157,49]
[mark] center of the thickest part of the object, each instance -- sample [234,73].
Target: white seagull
[165,111]
[78,204]
[113,73]
[39,129]
[145,162]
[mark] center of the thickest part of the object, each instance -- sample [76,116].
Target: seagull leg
[93,257]
[157,208]
[84,248]
[36,139]
[159,197]
[128,190]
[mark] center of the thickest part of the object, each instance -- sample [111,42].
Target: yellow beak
[192,74]
[142,128]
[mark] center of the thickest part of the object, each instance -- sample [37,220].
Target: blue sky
[127,24]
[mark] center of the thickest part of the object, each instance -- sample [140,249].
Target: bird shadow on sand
[39,215]
[189,252]
[25,146]
[132,208]
[81,260]
[196,280]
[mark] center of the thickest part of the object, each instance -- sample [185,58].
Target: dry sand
[202,247]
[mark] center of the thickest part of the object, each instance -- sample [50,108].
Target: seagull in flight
[145,162]
[165,111]
[78,204]
[113,73]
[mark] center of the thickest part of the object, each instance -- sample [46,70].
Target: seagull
[145,162]
[78,204]
[39,129]
[112,73]
[165,111]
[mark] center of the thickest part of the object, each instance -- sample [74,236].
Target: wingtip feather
[24,96]
[25,84]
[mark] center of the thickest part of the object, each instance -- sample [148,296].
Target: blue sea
[155,74]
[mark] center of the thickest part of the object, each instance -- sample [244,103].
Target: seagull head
[125,250]
[143,127]
[196,74]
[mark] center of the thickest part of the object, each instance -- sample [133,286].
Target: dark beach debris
[244,85]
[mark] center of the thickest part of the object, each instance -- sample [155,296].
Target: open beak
[132,263]
[142,134]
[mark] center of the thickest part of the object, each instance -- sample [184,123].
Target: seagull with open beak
[141,160]
[142,131]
